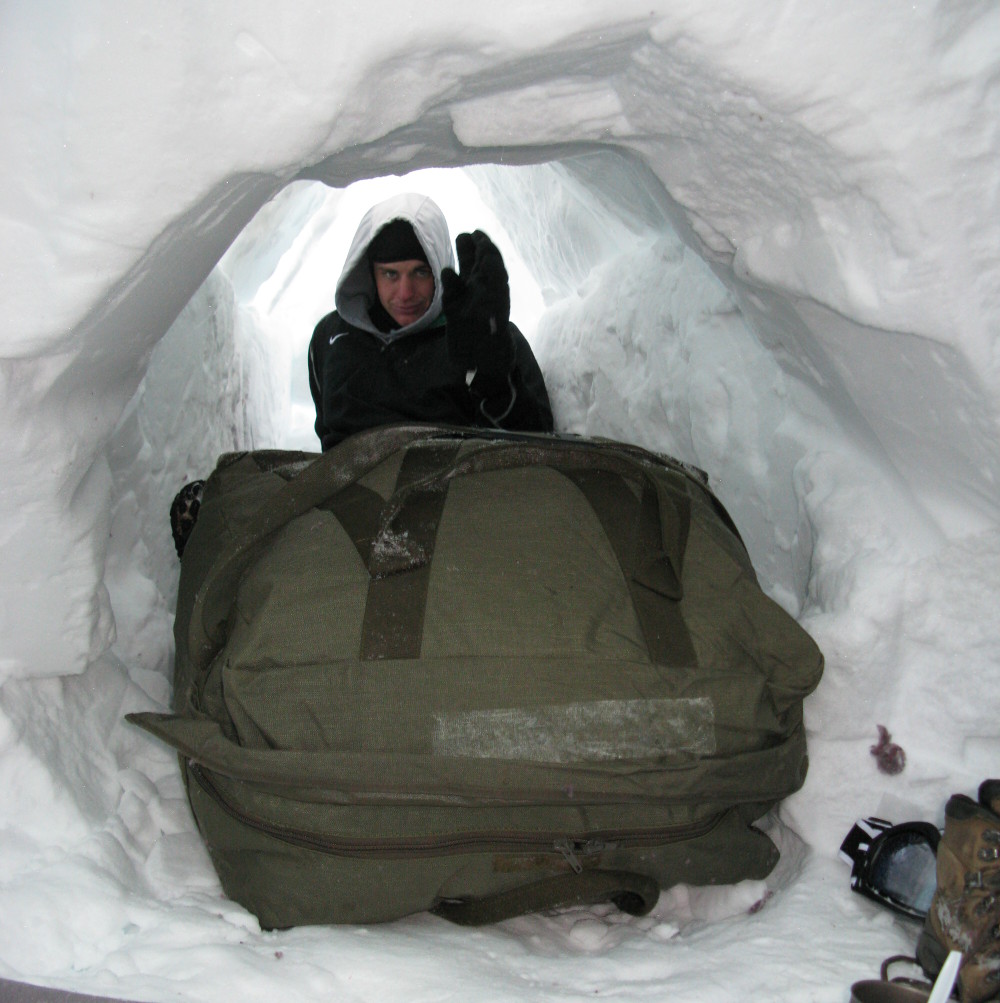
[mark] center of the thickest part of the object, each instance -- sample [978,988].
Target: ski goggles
[895,865]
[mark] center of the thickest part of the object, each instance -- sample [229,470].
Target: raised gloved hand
[476,303]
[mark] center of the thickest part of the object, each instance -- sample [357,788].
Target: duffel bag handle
[648,536]
[659,567]
[633,893]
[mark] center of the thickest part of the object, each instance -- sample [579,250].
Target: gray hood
[356,288]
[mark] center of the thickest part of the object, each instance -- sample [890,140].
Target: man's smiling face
[405,289]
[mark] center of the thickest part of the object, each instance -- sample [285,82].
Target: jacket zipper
[571,848]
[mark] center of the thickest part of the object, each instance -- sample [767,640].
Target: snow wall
[769,241]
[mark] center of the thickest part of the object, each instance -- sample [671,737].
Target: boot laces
[984,880]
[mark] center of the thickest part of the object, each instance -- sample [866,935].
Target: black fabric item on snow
[479,673]
[184,513]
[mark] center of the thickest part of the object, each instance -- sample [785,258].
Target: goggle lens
[895,865]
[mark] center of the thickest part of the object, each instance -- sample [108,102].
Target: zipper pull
[567,849]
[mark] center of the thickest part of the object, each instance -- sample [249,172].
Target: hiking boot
[965,911]
[184,513]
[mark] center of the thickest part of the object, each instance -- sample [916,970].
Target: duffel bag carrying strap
[329,473]
[665,518]
[649,543]
[633,893]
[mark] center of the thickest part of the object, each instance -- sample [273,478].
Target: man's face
[405,289]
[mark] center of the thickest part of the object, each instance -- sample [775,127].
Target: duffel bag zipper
[569,847]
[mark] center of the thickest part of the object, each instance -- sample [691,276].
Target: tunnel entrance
[305,232]
[637,338]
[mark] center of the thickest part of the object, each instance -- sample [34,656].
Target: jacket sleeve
[323,333]
[519,402]
[315,368]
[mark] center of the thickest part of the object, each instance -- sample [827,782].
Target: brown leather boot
[965,911]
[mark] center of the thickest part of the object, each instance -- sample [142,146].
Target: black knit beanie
[396,241]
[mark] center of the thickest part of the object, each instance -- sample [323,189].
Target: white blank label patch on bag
[596,731]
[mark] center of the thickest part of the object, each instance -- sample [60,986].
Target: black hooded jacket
[362,374]
[359,381]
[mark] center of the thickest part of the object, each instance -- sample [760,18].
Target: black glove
[476,303]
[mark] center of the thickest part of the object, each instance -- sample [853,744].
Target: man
[411,339]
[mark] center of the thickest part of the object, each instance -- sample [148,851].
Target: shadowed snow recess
[766,240]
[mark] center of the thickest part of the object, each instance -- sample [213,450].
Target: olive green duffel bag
[477,673]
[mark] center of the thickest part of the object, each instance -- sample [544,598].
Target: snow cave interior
[728,241]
